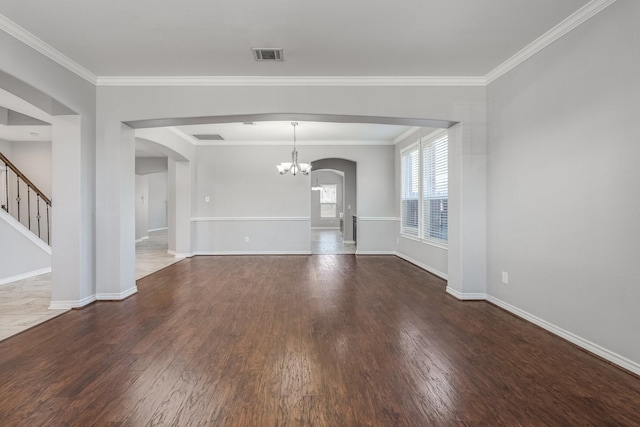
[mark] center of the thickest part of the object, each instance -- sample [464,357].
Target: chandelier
[293,166]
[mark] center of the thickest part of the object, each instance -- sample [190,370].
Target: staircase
[21,199]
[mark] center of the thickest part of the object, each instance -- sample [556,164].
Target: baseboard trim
[348,242]
[68,305]
[142,239]
[180,255]
[602,352]
[423,266]
[375,252]
[325,228]
[117,296]
[157,229]
[11,279]
[209,253]
[465,296]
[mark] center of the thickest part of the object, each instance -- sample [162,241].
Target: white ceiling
[324,38]
[25,133]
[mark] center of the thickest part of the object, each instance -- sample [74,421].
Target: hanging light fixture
[316,187]
[293,166]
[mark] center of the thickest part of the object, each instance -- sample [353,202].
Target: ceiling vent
[268,54]
[209,137]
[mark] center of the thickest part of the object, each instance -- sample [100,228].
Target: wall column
[71,228]
[115,213]
[467,215]
[179,212]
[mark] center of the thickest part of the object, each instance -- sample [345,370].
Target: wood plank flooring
[325,340]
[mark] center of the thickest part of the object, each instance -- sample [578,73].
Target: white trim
[179,254]
[157,229]
[437,81]
[142,239]
[406,134]
[248,218]
[574,20]
[47,50]
[348,242]
[466,296]
[117,296]
[325,228]
[569,336]
[205,253]
[422,265]
[375,252]
[378,218]
[580,16]
[23,276]
[19,227]
[67,305]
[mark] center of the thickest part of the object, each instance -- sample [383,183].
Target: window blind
[410,171]
[435,189]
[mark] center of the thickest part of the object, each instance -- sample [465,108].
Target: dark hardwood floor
[327,340]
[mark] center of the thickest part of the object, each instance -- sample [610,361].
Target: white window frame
[421,144]
[409,231]
[335,204]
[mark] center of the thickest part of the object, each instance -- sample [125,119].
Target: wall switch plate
[505,277]
[207,199]
[246,239]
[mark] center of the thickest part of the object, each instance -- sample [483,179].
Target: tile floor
[330,242]
[25,303]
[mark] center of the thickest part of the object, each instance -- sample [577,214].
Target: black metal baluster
[6,186]
[48,226]
[29,207]
[18,198]
[38,216]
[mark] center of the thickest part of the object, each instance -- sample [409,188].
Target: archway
[339,174]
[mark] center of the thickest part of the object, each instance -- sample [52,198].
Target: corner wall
[563,204]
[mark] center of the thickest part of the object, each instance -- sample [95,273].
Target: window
[424,206]
[328,201]
[410,190]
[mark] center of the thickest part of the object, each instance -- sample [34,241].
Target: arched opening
[333,206]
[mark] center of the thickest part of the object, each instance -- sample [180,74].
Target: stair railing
[30,214]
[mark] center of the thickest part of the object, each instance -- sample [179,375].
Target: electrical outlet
[246,239]
[505,277]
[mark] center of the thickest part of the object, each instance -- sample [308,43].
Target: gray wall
[563,200]
[20,256]
[157,200]
[22,70]
[326,177]
[142,207]
[274,211]
[33,158]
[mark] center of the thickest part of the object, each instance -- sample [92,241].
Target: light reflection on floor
[330,242]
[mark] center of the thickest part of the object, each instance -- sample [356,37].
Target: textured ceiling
[326,38]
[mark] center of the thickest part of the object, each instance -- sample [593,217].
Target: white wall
[57,91]
[142,207]
[157,200]
[21,254]
[5,148]
[33,158]
[272,210]
[563,203]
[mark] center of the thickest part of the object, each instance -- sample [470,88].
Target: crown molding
[50,52]
[290,81]
[577,18]
[580,16]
